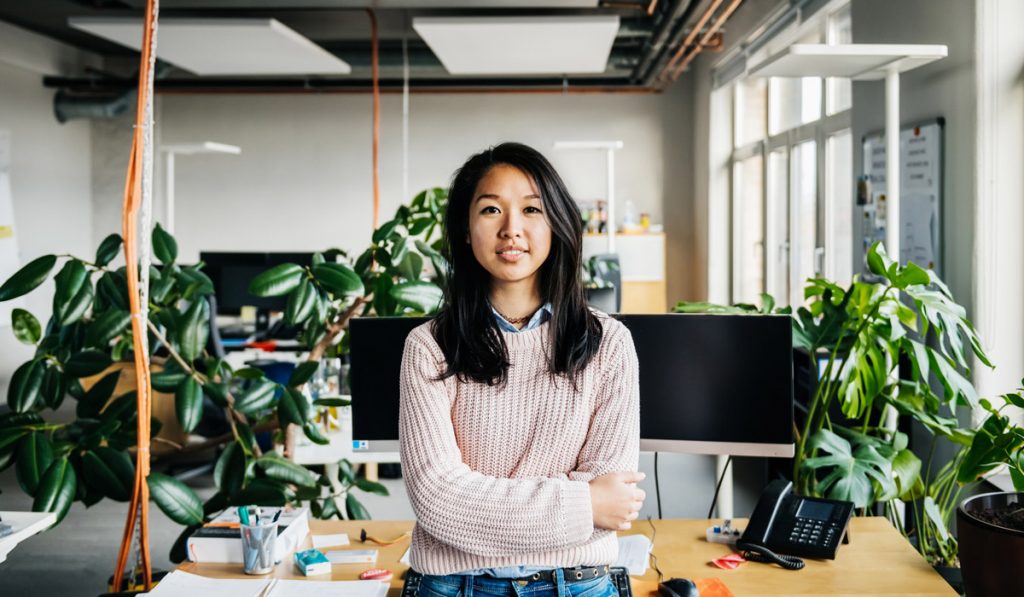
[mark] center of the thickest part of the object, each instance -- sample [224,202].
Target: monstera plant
[862,333]
[88,332]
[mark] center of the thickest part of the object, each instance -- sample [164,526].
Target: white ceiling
[223,46]
[520,45]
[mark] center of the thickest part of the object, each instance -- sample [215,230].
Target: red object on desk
[265,345]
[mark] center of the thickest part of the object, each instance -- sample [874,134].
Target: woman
[519,421]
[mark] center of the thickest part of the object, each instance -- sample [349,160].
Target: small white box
[352,556]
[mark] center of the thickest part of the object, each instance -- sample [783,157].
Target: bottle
[629,218]
[645,221]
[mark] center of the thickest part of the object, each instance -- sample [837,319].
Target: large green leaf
[35,454]
[292,407]
[55,387]
[86,363]
[372,487]
[26,327]
[422,296]
[73,294]
[262,492]
[108,249]
[848,473]
[276,467]
[931,509]
[383,303]
[168,379]
[110,472]
[355,509]
[411,266]
[301,303]
[27,278]
[303,372]
[188,404]
[25,386]
[277,281]
[56,489]
[175,499]
[90,405]
[339,278]
[164,246]
[436,259]
[229,472]
[107,327]
[259,397]
[194,330]
[314,434]
[113,286]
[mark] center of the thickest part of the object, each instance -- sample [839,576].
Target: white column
[892,164]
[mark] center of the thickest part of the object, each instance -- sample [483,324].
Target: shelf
[860,62]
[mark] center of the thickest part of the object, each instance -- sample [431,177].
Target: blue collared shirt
[543,314]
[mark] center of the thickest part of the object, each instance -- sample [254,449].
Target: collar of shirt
[543,314]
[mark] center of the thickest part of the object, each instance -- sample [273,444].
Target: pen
[276,516]
[257,515]
[243,515]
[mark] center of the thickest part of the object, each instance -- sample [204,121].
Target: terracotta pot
[991,556]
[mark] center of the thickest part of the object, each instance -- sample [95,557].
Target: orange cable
[132,199]
[375,67]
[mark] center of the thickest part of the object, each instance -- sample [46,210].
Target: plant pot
[953,576]
[991,555]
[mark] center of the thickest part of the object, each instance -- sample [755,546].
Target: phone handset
[754,540]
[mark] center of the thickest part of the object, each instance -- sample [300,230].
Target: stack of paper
[634,551]
[178,584]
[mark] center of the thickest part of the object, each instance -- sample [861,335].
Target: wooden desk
[878,561]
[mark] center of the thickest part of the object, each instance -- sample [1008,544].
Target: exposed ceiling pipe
[694,32]
[677,11]
[722,18]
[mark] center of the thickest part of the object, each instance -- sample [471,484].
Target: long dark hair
[465,328]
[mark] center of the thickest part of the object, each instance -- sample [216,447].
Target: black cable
[657,487]
[758,553]
[721,478]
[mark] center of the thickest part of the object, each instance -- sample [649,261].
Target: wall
[303,179]
[944,88]
[50,168]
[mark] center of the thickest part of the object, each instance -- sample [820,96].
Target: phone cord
[757,553]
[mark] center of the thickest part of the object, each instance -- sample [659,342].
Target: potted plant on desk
[845,448]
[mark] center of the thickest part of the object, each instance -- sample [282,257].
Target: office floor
[76,558]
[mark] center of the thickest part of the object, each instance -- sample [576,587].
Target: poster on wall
[921,155]
[8,242]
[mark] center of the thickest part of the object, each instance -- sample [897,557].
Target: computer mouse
[678,587]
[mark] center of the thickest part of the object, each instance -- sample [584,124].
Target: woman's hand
[616,500]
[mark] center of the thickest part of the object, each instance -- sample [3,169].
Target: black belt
[570,574]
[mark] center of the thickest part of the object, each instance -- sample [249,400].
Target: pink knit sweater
[498,475]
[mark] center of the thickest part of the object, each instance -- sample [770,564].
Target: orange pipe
[692,35]
[722,18]
[375,68]
[132,200]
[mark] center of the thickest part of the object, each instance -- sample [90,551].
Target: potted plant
[844,447]
[87,458]
[991,525]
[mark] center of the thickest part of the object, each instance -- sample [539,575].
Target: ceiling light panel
[223,46]
[520,45]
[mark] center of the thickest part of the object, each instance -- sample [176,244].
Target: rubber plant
[88,330]
[864,331]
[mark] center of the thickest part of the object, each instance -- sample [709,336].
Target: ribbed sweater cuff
[579,521]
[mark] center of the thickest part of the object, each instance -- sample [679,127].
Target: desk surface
[878,561]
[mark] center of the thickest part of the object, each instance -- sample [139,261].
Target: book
[219,540]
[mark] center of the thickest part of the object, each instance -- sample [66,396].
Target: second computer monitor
[709,384]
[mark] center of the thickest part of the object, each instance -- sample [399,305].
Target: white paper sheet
[180,583]
[405,557]
[329,588]
[634,551]
[330,540]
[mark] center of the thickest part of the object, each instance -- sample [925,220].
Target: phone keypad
[807,531]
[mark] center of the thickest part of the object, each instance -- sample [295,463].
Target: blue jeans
[461,585]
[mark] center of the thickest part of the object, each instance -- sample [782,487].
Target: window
[748,231]
[788,153]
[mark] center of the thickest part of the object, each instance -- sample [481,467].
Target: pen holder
[258,541]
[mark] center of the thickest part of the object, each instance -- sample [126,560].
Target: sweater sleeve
[473,512]
[613,441]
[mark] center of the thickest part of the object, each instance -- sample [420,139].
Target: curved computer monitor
[709,384]
[715,384]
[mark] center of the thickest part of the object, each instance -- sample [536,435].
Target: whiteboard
[921,156]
